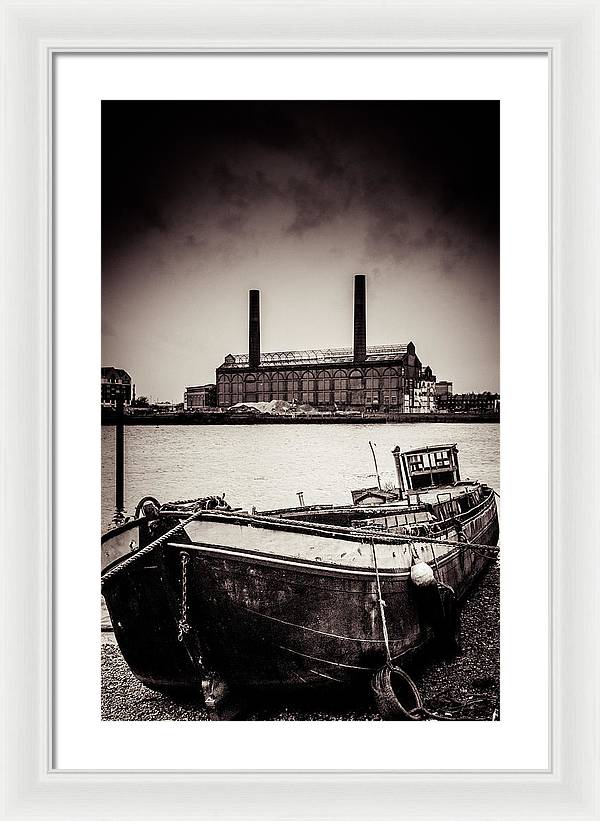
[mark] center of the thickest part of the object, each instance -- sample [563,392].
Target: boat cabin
[428,467]
[373,496]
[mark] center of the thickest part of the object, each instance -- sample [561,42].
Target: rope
[487,551]
[381,606]
[114,571]
[494,550]
[219,503]
[419,713]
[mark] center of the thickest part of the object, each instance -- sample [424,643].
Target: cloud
[313,207]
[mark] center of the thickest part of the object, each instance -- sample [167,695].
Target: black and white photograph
[300,410]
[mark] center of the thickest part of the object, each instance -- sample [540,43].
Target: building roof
[375,353]
[115,373]
[424,449]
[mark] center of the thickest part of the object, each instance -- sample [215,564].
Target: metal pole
[119,451]
[376,468]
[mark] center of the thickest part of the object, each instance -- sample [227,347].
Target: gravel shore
[465,688]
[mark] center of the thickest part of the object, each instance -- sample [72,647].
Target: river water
[267,465]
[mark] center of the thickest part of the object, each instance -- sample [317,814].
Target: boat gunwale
[122,528]
[310,564]
[351,534]
[322,568]
[331,531]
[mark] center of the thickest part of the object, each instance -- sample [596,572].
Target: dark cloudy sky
[203,200]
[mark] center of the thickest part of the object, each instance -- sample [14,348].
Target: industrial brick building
[480,404]
[385,377]
[198,397]
[115,387]
[443,388]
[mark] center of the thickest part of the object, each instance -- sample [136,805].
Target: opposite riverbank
[110,418]
[466,688]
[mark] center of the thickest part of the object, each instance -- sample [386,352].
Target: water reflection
[119,517]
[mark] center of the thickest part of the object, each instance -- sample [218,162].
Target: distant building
[115,385]
[476,403]
[200,396]
[166,407]
[443,388]
[383,377]
[424,396]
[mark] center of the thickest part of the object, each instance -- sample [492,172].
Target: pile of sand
[277,407]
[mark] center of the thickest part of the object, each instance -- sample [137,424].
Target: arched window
[389,376]
[324,388]
[372,380]
[372,387]
[224,392]
[340,387]
[251,388]
[264,387]
[237,388]
[293,386]
[357,394]
[279,386]
[308,388]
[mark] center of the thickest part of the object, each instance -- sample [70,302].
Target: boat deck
[431,496]
[309,546]
[425,496]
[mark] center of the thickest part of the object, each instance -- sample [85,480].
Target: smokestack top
[254,329]
[360,318]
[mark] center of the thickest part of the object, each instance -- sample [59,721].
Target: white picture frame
[569,33]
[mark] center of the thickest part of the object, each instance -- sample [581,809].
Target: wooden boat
[300,597]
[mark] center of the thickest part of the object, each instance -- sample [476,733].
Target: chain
[182,624]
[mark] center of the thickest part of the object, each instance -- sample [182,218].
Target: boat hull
[265,621]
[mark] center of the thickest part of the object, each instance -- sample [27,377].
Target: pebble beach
[466,688]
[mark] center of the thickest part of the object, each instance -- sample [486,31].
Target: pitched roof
[375,353]
[115,373]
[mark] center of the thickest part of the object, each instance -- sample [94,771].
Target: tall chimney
[254,330]
[360,318]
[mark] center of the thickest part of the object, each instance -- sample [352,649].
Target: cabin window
[416,462]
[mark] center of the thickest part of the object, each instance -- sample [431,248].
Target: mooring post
[119,452]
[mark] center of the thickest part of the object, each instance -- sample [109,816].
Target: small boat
[298,598]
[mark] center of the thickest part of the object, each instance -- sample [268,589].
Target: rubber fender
[395,694]
[421,574]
